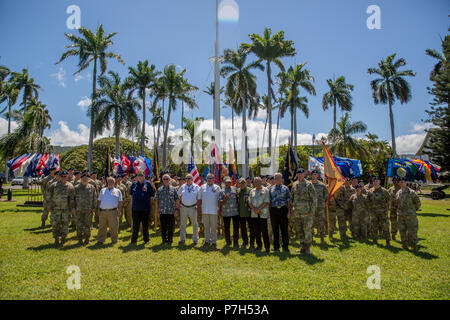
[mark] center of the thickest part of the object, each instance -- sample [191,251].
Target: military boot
[375,241]
[393,237]
[414,247]
[43,224]
[404,245]
[63,240]
[86,241]
[80,241]
[56,241]
[388,243]
[322,240]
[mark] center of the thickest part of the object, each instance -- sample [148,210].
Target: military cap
[84,175]
[70,169]
[301,170]
[76,172]
[227,179]
[85,170]
[63,174]
[241,180]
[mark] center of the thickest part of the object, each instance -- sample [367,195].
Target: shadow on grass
[44,247]
[132,247]
[161,247]
[433,215]
[184,247]
[98,246]
[310,259]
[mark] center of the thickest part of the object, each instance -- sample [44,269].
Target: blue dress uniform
[279,200]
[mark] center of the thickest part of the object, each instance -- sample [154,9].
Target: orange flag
[332,172]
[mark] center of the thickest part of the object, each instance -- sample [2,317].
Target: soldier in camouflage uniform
[62,203]
[127,205]
[85,203]
[393,209]
[408,203]
[349,190]
[320,219]
[125,196]
[331,223]
[379,199]
[360,213]
[304,203]
[340,201]
[70,176]
[45,184]
[98,186]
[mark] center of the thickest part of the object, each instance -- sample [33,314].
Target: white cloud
[410,143]
[4,126]
[84,103]
[60,76]
[79,76]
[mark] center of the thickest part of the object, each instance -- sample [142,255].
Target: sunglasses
[188,178]
[165,179]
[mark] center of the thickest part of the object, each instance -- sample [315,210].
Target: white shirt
[210,197]
[188,194]
[109,199]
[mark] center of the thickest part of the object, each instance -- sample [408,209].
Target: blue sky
[331,36]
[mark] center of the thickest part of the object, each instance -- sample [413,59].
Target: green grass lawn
[32,268]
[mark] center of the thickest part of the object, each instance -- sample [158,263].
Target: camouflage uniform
[127,208]
[320,219]
[125,198]
[332,215]
[126,202]
[45,185]
[304,203]
[393,210]
[360,215]
[62,203]
[339,199]
[378,215]
[408,203]
[85,202]
[349,191]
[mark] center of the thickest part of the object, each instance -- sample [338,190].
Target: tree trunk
[391,117]
[278,124]
[143,124]
[9,132]
[295,126]
[182,119]
[166,131]
[269,108]
[91,129]
[334,112]
[245,147]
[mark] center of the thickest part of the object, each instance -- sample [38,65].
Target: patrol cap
[315,171]
[301,170]
[227,179]
[241,180]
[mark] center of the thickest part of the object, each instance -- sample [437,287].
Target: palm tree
[23,82]
[342,142]
[270,48]
[187,89]
[391,86]
[157,120]
[141,78]
[10,93]
[297,78]
[40,115]
[240,89]
[172,86]
[114,102]
[189,126]
[91,47]
[4,73]
[339,94]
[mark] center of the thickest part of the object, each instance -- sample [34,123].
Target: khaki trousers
[210,223]
[190,212]
[108,219]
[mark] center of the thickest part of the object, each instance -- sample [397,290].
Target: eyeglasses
[165,178]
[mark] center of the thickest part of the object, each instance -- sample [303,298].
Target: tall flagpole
[217,82]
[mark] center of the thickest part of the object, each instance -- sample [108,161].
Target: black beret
[76,172]
[64,173]
[377,178]
[403,179]
[301,170]
[358,186]
[51,169]
[70,169]
[315,171]
[84,175]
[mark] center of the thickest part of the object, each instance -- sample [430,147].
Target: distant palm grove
[150,95]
